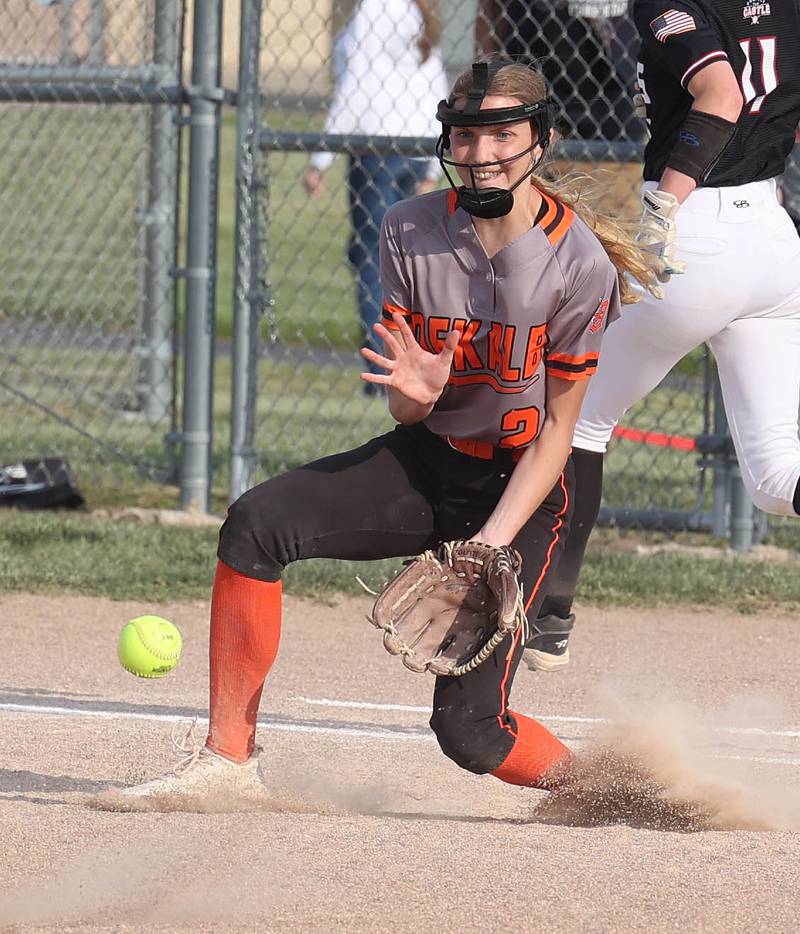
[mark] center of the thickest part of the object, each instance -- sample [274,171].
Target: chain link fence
[89,194]
[334,135]
[334,122]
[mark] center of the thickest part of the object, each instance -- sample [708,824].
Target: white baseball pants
[740,294]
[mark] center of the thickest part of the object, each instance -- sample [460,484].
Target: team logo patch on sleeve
[599,316]
[672,23]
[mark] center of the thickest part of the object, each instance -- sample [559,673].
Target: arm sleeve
[679,35]
[395,281]
[575,331]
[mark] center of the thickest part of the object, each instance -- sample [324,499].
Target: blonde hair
[574,190]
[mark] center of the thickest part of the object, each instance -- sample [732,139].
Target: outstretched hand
[419,375]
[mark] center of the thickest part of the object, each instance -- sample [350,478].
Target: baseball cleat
[200,781]
[547,648]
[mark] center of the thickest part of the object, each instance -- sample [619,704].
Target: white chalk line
[407,708]
[263,724]
[383,735]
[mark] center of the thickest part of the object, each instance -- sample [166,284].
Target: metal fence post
[742,519]
[246,306]
[720,486]
[205,96]
[732,506]
[159,226]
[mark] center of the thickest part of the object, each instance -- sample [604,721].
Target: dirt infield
[369,828]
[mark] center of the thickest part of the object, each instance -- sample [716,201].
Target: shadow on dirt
[23,782]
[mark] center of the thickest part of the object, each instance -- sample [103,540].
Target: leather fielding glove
[448,610]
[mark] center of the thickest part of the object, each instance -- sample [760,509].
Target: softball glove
[448,610]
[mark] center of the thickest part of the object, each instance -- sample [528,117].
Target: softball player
[721,82]
[496,296]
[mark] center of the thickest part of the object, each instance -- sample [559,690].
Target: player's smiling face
[492,144]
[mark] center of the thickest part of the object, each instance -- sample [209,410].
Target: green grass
[304,411]
[69,190]
[71,261]
[52,553]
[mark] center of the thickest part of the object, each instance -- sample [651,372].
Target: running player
[721,83]
[496,297]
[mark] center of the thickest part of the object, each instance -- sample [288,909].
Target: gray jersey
[538,307]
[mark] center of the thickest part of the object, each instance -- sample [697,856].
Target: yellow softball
[149,646]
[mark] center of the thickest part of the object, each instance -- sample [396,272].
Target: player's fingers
[405,331]
[449,347]
[451,342]
[377,358]
[376,378]
[391,343]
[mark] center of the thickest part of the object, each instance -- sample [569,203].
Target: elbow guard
[701,141]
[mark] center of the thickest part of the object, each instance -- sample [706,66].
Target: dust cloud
[669,769]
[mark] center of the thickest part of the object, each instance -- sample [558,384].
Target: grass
[73,266]
[52,553]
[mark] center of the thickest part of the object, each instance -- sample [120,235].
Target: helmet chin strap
[488,203]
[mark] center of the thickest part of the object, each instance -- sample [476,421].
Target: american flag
[671,23]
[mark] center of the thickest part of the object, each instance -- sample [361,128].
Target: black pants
[395,496]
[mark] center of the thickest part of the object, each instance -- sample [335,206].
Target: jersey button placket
[482,292]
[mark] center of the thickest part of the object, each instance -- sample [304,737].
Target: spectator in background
[586,50]
[389,78]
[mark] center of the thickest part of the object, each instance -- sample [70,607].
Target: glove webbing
[520,616]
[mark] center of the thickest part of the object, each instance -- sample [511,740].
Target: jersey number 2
[769,74]
[523,425]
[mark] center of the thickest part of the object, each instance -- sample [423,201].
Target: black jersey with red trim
[761,41]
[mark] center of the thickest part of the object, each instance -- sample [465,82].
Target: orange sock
[245,631]
[535,755]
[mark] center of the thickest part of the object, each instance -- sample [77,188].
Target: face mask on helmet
[489,202]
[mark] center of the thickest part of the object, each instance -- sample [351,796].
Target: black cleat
[547,648]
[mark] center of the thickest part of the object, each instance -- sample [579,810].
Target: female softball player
[721,83]
[496,296]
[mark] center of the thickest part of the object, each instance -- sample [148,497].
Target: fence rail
[115,348]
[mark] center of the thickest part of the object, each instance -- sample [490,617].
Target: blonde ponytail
[616,236]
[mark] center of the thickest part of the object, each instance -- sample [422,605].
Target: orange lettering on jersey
[438,329]
[506,371]
[417,325]
[599,316]
[466,356]
[501,348]
[495,345]
[533,352]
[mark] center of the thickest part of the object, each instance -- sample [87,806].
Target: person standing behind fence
[389,77]
[587,51]
[721,84]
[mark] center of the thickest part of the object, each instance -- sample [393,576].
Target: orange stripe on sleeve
[388,309]
[565,366]
[566,374]
[567,358]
